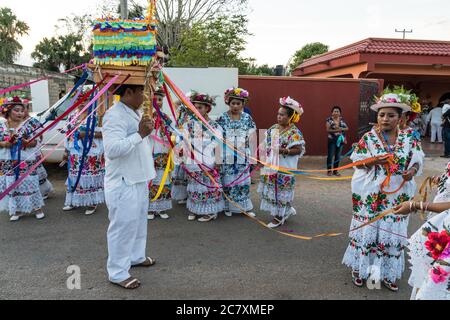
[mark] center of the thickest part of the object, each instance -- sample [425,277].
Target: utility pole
[404,31]
[124,9]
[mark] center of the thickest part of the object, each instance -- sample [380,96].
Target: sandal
[356,279]
[149,262]
[208,218]
[391,286]
[275,223]
[129,284]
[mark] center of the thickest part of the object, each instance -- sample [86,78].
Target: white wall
[213,81]
[40,96]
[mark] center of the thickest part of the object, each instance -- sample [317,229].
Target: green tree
[218,42]
[10,29]
[262,70]
[63,51]
[308,51]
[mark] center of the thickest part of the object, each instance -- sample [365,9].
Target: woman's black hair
[399,110]
[290,111]
[336,107]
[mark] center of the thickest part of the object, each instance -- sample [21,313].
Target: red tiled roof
[384,46]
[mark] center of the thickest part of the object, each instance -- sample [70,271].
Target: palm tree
[10,29]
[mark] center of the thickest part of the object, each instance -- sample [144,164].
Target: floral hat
[288,102]
[9,103]
[202,98]
[398,98]
[160,92]
[236,93]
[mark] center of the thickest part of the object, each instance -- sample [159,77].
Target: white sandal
[14,218]
[208,218]
[90,211]
[273,225]
[40,215]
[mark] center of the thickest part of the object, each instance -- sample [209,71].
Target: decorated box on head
[124,42]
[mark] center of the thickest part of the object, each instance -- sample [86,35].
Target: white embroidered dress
[430,276]
[379,248]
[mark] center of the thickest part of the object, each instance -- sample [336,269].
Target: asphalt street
[230,258]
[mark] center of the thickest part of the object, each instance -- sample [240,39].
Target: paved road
[231,258]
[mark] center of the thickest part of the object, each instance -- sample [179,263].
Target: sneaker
[40,215]
[228,213]
[151,216]
[208,218]
[45,197]
[14,218]
[390,285]
[163,216]
[182,202]
[192,217]
[90,210]
[68,208]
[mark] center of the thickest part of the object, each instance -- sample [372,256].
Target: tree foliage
[308,51]
[62,51]
[218,42]
[10,29]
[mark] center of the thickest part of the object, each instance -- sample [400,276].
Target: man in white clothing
[435,117]
[129,169]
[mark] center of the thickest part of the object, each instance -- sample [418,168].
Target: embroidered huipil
[236,166]
[278,189]
[381,245]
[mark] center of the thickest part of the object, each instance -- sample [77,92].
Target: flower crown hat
[236,93]
[202,98]
[398,98]
[288,102]
[9,103]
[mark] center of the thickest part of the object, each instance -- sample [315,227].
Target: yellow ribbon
[169,168]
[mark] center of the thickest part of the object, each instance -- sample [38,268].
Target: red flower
[437,242]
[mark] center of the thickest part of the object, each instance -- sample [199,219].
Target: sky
[279,27]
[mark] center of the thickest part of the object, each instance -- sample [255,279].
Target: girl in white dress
[284,145]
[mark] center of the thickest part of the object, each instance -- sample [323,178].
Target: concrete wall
[317,96]
[11,75]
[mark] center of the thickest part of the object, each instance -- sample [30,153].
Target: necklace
[385,140]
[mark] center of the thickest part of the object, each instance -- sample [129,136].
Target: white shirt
[435,116]
[128,156]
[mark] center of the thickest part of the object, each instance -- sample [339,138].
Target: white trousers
[127,232]
[436,130]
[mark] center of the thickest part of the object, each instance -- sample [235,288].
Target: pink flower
[7,138]
[391,100]
[438,275]
[23,165]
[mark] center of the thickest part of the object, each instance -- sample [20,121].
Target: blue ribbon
[87,142]
[16,152]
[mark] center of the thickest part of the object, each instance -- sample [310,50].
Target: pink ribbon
[37,164]
[17,87]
